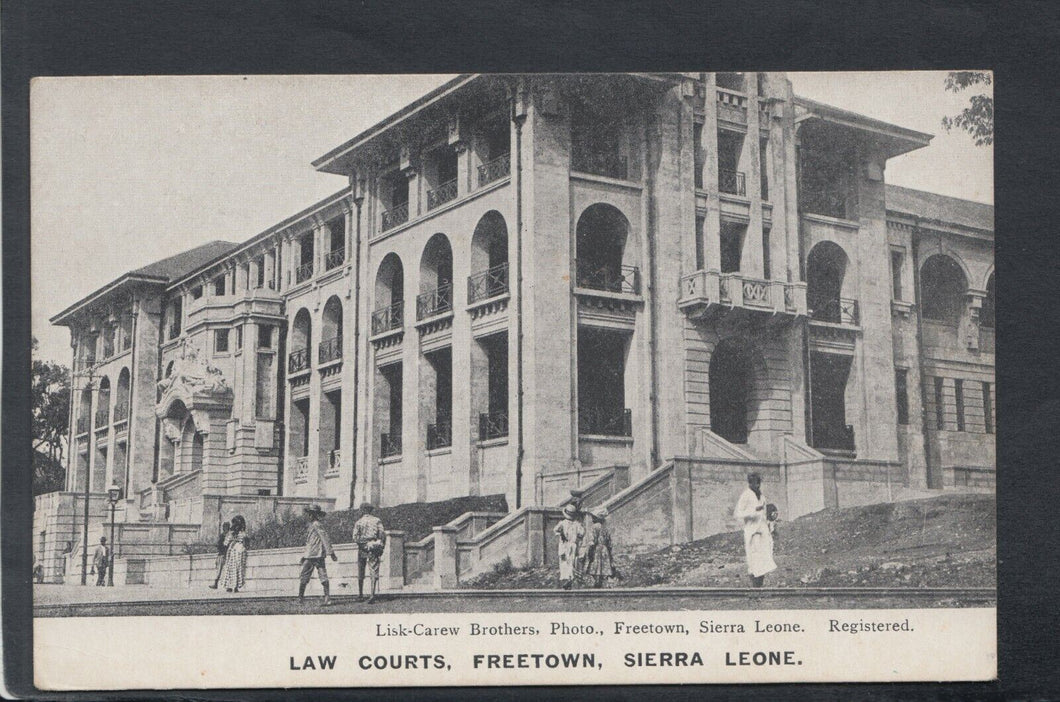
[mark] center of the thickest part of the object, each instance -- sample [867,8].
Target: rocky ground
[945,541]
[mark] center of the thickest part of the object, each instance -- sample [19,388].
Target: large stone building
[527,281]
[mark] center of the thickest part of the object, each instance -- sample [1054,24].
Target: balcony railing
[82,425]
[834,437]
[617,279]
[493,170]
[298,361]
[605,164]
[334,259]
[301,470]
[840,311]
[434,302]
[440,434]
[755,292]
[489,283]
[102,417]
[388,318]
[329,350]
[396,215]
[303,273]
[492,425]
[732,182]
[390,443]
[442,194]
[605,421]
[334,462]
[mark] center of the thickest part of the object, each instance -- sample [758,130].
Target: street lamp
[113,495]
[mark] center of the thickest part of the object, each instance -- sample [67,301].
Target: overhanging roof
[893,139]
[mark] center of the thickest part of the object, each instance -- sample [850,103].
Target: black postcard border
[1016,39]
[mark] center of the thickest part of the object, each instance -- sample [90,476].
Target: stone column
[709,146]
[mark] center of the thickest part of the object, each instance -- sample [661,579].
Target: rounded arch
[826,268]
[605,251]
[734,385]
[103,402]
[436,264]
[84,410]
[301,330]
[389,282]
[943,284]
[331,320]
[986,315]
[489,243]
[121,405]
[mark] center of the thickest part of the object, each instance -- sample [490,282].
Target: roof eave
[63,318]
[899,140]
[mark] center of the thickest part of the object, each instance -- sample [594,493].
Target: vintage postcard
[513,379]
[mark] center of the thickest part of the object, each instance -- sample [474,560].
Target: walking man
[222,551]
[317,548]
[750,513]
[100,561]
[370,537]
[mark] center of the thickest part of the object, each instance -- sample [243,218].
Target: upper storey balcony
[711,294]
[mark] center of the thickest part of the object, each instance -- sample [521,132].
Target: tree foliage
[50,403]
[978,117]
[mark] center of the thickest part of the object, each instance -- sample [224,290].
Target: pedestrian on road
[370,537]
[570,532]
[600,563]
[317,549]
[235,568]
[222,551]
[100,561]
[750,513]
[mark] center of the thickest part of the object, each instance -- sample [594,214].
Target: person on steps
[222,551]
[367,530]
[317,549]
[570,532]
[750,514]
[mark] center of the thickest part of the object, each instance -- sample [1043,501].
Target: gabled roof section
[940,208]
[159,272]
[894,140]
[183,263]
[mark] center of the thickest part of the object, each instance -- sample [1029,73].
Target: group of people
[585,554]
[368,534]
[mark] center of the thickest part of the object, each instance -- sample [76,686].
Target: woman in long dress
[600,563]
[750,513]
[235,569]
[570,532]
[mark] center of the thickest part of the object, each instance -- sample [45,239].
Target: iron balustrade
[334,259]
[489,283]
[396,215]
[434,302]
[492,425]
[495,169]
[618,279]
[610,165]
[605,421]
[82,425]
[442,194]
[330,350]
[298,361]
[837,311]
[732,182]
[388,318]
[303,273]
[390,443]
[440,434]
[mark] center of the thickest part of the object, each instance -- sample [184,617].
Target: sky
[129,170]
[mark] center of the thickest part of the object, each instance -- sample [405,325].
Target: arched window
[436,278]
[986,315]
[301,337]
[826,267]
[103,403]
[942,285]
[605,259]
[389,295]
[331,331]
[84,411]
[489,259]
[121,403]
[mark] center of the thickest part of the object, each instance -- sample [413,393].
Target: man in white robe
[750,513]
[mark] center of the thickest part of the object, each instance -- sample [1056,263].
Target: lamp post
[113,495]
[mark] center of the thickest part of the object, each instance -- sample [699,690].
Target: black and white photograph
[663,377]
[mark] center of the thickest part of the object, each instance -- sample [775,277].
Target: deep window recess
[896,275]
[220,341]
[265,336]
[219,287]
[940,411]
[901,389]
[988,409]
[958,391]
